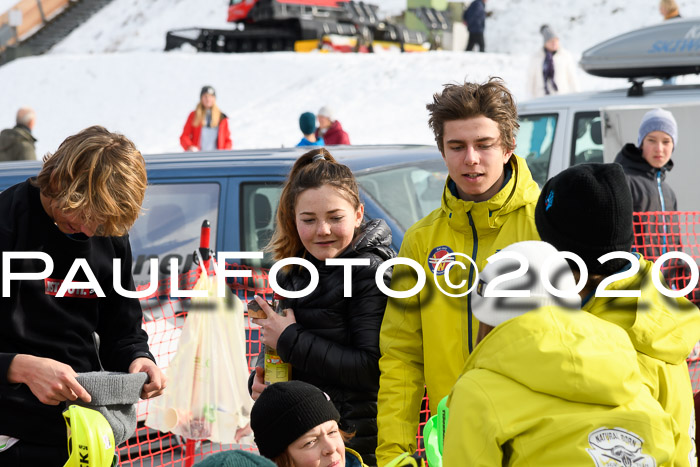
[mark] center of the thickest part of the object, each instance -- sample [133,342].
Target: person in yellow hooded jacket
[587,210]
[488,203]
[549,384]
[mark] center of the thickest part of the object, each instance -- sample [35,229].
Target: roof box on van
[661,51]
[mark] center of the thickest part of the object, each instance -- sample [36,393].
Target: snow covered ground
[112,71]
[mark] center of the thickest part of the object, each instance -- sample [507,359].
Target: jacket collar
[630,157]
[518,190]
[26,132]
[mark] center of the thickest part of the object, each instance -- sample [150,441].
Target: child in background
[307,125]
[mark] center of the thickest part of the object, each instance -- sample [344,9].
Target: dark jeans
[25,454]
[476,38]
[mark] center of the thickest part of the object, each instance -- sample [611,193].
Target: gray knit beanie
[658,120]
[547,32]
[114,395]
[327,112]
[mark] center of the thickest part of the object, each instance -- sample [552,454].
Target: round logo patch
[436,255]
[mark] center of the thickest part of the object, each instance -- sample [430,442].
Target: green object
[406,460]
[434,434]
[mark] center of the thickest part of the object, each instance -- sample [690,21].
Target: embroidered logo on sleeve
[435,256]
[51,287]
[613,447]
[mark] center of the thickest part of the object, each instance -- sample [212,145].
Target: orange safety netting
[657,233]
[164,316]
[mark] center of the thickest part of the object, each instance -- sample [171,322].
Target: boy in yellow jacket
[587,210]
[487,203]
[550,384]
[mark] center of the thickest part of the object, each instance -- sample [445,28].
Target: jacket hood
[519,190]
[374,237]
[568,354]
[630,157]
[658,326]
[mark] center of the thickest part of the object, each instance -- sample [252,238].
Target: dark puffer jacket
[334,344]
[644,181]
[653,235]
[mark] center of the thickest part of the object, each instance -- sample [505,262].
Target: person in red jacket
[206,128]
[330,129]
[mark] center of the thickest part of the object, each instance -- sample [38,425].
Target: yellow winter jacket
[426,339]
[663,331]
[555,387]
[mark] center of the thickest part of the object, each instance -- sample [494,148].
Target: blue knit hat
[307,123]
[658,120]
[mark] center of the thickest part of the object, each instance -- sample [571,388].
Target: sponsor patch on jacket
[51,287]
[612,447]
[436,255]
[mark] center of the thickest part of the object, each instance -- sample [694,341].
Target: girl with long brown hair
[330,340]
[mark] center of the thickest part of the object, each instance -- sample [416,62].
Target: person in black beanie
[587,210]
[571,200]
[295,424]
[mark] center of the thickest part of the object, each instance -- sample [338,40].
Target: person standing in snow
[307,125]
[552,69]
[475,19]
[669,9]
[330,129]
[206,128]
[17,143]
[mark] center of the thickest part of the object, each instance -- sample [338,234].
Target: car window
[409,192]
[259,203]
[587,145]
[534,143]
[170,226]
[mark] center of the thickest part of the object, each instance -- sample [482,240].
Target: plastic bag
[207,395]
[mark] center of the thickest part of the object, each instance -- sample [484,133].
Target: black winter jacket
[653,235]
[334,344]
[644,181]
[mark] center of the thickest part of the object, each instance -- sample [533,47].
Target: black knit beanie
[587,210]
[285,411]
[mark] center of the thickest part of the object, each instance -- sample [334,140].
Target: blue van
[238,192]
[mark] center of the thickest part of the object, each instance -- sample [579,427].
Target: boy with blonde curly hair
[80,206]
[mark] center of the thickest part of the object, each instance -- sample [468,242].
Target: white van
[559,131]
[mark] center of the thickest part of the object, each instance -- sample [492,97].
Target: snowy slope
[111,71]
